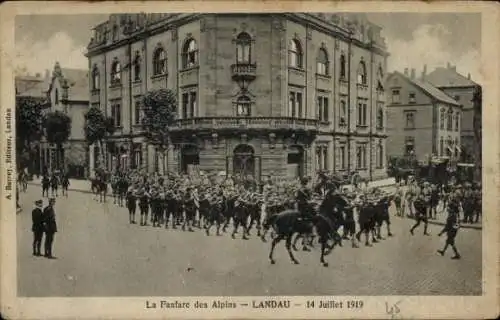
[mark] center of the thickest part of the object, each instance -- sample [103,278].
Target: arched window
[450,121]
[295,54]
[57,96]
[137,67]
[442,119]
[243,107]
[457,122]
[95,78]
[362,77]
[342,66]
[159,62]
[190,54]
[322,62]
[380,118]
[116,72]
[243,48]
[380,155]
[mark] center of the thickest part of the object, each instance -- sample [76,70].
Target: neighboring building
[259,94]
[34,87]
[423,120]
[462,90]
[68,92]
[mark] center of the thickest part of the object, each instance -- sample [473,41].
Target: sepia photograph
[248,154]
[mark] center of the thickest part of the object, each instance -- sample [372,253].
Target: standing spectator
[37,227]
[50,227]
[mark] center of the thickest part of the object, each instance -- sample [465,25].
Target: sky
[413,40]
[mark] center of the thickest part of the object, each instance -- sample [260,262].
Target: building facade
[68,93]
[259,94]
[423,121]
[462,89]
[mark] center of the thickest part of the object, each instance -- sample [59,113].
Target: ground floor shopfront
[249,154]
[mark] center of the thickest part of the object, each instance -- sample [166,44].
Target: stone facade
[259,94]
[423,119]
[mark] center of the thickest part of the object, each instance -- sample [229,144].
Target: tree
[97,127]
[159,113]
[57,127]
[29,120]
[477,100]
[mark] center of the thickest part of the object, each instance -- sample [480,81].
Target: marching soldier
[144,204]
[468,203]
[189,209]
[421,213]
[37,227]
[54,182]
[131,203]
[65,184]
[45,185]
[451,228]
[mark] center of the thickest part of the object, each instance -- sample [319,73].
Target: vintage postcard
[249,160]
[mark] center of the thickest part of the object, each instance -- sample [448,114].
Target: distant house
[462,89]
[422,120]
[32,86]
[68,92]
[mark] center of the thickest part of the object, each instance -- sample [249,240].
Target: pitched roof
[29,86]
[448,77]
[78,82]
[430,90]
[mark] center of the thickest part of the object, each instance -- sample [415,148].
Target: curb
[462,226]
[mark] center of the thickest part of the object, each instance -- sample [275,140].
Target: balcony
[251,123]
[244,71]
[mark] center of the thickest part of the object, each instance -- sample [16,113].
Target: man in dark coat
[451,228]
[50,227]
[37,227]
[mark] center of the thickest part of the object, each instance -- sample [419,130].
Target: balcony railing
[246,71]
[261,123]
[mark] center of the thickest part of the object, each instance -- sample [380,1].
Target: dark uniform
[54,182]
[50,228]
[303,198]
[451,228]
[190,210]
[65,184]
[131,205]
[420,204]
[45,185]
[37,228]
[144,206]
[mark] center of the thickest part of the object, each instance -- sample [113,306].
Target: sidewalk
[441,221]
[84,185]
[74,185]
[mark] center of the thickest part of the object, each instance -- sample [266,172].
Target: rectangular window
[185,105]
[192,104]
[137,111]
[342,157]
[396,96]
[409,145]
[449,126]
[362,108]
[343,113]
[322,112]
[441,147]
[359,159]
[410,120]
[457,122]
[442,119]
[412,98]
[318,158]
[295,104]
[325,158]
[116,110]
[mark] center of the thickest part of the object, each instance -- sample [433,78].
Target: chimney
[468,76]
[406,72]
[424,72]
[412,75]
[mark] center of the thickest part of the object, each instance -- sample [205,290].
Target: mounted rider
[303,198]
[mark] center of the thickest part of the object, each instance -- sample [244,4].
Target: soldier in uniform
[451,228]
[45,185]
[37,227]
[302,198]
[189,209]
[398,195]
[54,182]
[468,203]
[349,222]
[131,203]
[50,227]
[65,184]
[434,201]
[144,204]
[421,213]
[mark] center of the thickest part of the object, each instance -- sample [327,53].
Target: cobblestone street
[100,254]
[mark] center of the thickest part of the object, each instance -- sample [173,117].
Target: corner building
[259,94]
